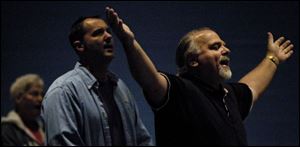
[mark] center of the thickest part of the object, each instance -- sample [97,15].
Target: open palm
[118,26]
[280,48]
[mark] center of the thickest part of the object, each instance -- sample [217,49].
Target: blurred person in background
[22,126]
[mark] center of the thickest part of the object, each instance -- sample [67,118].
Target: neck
[101,75]
[99,71]
[29,122]
[208,79]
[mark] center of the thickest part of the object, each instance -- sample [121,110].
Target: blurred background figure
[22,126]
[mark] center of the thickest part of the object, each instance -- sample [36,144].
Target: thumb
[270,38]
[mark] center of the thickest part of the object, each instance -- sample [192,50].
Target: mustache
[224,59]
[108,44]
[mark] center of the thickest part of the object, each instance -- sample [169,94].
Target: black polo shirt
[196,114]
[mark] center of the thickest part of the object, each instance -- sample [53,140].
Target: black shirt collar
[220,90]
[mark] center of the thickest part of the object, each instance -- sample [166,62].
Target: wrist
[273,59]
[128,42]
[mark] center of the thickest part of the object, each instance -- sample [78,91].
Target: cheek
[93,46]
[208,58]
[27,104]
[28,101]
[94,43]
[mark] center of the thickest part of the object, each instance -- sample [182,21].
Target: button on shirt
[74,115]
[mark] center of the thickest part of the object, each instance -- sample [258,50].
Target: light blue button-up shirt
[74,114]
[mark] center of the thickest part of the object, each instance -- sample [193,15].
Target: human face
[213,55]
[30,102]
[97,40]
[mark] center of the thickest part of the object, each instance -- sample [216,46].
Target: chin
[35,114]
[109,57]
[225,73]
[109,54]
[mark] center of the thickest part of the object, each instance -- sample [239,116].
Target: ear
[19,98]
[78,46]
[192,61]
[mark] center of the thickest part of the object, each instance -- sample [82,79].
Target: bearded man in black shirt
[196,106]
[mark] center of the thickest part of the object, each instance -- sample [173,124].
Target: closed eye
[98,32]
[215,46]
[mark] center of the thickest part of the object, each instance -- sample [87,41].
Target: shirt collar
[204,86]
[88,77]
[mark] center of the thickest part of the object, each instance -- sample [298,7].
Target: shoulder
[68,83]
[63,90]
[8,126]
[176,83]
[65,80]
[173,80]
[12,135]
[174,91]
[9,129]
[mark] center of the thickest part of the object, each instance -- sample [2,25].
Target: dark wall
[34,40]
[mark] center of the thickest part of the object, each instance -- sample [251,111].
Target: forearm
[260,77]
[141,67]
[144,71]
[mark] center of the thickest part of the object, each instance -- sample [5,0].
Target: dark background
[34,40]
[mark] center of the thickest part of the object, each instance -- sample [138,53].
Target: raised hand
[280,49]
[119,27]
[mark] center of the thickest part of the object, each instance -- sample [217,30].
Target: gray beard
[225,73]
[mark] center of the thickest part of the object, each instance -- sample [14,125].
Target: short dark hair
[77,30]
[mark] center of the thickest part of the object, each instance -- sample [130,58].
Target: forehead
[208,37]
[93,23]
[36,86]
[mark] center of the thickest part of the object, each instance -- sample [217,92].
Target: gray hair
[23,83]
[187,46]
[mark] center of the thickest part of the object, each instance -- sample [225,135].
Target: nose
[107,36]
[225,50]
[39,98]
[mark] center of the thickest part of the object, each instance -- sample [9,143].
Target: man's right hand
[119,27]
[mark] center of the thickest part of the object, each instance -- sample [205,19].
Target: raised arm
[141,66]
[260,77]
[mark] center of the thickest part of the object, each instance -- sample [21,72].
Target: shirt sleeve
[61,115]
[173,89]
[244,98]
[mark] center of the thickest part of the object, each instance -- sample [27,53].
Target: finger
[286,43]
[289,48]
[270,38]
[290,53]
[279,41]
[121,24]
[109,14]
[107,8]
[106,12]
[116,17]
[112,16]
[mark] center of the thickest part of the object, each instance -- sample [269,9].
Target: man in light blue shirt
[90,105]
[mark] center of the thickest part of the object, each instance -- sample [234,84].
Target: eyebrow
[101,29]
[97,31]
[218,42]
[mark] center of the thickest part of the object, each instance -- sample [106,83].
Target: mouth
[38,107]
[224,61]
[108,47]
